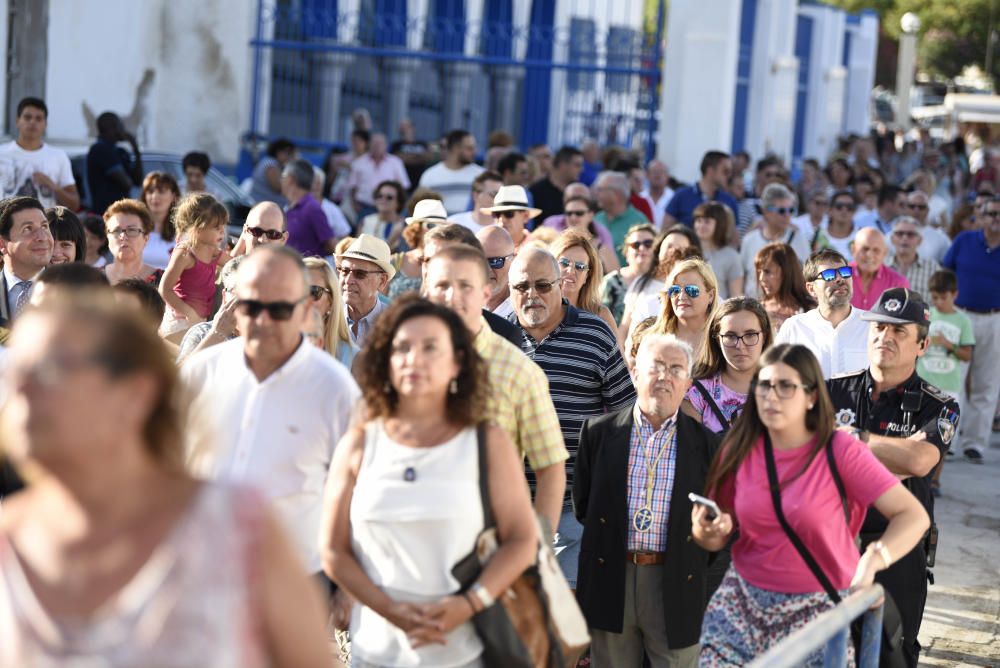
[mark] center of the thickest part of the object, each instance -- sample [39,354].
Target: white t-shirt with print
[18,165]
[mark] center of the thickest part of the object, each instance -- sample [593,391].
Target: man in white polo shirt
[276,405]
[834,331]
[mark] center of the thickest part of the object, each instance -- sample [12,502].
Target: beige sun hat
[430,211]
[511,198]
[370,249]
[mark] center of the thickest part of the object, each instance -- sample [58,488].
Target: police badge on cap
[900,306]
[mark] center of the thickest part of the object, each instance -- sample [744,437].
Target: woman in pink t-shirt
[769,591]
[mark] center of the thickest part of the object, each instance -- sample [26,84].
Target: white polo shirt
[839,350]
[277,435]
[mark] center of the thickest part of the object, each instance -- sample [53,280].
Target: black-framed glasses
[130,232]
[749,339]
[781,210]
[992,214]
[833,274]
[783,388]
[692,291]
[278,311]
[636,245]
[317,292]
[360,274]
[844,206]
[566,263]
[909,234]
[917,207]
[258,232]
[384,196]
[577,213]
[541,287]
[505,214]
[498,261]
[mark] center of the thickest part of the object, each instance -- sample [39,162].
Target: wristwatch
[481,593]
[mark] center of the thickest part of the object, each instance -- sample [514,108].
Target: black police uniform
[915,405]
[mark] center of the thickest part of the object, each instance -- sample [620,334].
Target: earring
[811,406]
[453,387]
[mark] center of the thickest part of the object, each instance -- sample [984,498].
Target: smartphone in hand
[711,506]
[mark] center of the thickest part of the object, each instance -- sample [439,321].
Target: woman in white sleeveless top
[112,555]
[403,504]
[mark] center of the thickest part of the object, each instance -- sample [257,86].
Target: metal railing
[832,630]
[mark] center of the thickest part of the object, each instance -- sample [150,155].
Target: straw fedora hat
[430,211]
[370,249]
[511,198]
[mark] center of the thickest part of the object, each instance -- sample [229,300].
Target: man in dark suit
[641,581]
[26,243]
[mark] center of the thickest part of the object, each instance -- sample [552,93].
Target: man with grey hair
[223,326]
[777,206]
[641,585]
[579,355]
[908,260]
[612,191]
[274,404]
[308,230]
[933,242]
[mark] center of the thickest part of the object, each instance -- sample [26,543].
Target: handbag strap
[838,481]
[484,476]
[772,478]
[703,391]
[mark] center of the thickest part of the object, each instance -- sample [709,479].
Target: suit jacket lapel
[4,305]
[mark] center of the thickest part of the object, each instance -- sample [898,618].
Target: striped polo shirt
[586,372]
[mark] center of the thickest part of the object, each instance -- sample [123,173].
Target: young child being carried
[188,284]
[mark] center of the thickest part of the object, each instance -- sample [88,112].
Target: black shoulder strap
[484,475]
[838,481]
[772,478]
[703,391]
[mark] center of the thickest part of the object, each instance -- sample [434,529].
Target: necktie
[23,296]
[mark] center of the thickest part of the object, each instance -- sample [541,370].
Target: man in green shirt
[612,191]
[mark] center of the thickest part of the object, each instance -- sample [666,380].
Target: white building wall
[773,72]
[827,81]
[180,70]
[699,83]
[861,72]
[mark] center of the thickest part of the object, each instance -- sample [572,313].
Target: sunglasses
[566,263]
[992,214]
[781,210]
[832,274]
[844,206]
[258,232]
[360,274]
[908,234]
[505,214]
[278,311]
[498,262]
[917,207]
[541,287]
[317,292]
[636,245]
[580,213]
[388,196]
[692,291]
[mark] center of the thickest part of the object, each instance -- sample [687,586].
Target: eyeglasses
[499,261]
[832,274]
[992,214]
[130,232]
[676,371]
[917,207]
[905,233]
[385,196]
[692,291]
[541,287]
[781,210]
[258,232]
[505,214]
[427,225]
[820,202]
[317,292]
[844,206]
[577,213]
[783,388]
[275,310]
[362,274]
[749,339]
[566,263]
[636,245]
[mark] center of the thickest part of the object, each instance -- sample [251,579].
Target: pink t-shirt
[762,554]
[885,278]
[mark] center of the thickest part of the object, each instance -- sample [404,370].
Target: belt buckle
[635,558]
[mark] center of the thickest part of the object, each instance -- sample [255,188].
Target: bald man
[499,249]
[871,275]
[265,224]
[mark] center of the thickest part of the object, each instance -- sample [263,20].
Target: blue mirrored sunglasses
[832,274]
[692,291]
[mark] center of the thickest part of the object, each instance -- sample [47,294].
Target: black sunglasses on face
[505,214]
[636,245]
[577,213]
[362,274]
[258,232]
[317,292]
[541,287]
[499,261]
[844,206]
[278,311]
[566,263]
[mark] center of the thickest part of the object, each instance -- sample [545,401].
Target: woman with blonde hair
[329,330]
[690,295]
[581,273]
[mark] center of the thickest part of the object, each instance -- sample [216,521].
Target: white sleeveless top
[415,513]
[191,604]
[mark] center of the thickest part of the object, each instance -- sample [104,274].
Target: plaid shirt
[918,274]
[519,401]
[654,540]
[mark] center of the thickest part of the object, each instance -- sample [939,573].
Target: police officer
[908,424]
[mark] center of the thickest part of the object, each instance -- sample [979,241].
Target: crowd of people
[213,446]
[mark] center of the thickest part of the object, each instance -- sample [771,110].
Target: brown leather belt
[646,558]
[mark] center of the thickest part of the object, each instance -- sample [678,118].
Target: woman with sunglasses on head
[113,553]
[128,226]
[781,283]
[823,483]
[581,274]
[387,222]
[425,214]
[403,503]
[160,194]
[68,234]
[715,227]
[328,328]
[579,212]
[638,251]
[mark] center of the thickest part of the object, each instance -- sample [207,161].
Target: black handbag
[891,654]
